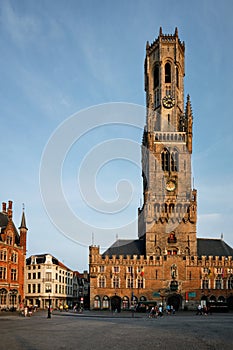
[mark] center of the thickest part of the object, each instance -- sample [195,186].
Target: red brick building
[12,259]
[167,263]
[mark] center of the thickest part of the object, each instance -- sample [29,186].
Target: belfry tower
[167,219]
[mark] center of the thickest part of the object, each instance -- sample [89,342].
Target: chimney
[9,209]
[3,207]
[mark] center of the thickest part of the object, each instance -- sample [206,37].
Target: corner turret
[23,233]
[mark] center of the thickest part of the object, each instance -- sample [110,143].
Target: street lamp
[48,290]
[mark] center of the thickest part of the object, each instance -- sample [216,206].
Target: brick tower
[167,220]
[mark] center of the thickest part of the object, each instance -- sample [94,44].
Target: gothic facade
[12,259]
[167,263]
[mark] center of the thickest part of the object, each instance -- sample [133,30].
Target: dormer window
[9,239]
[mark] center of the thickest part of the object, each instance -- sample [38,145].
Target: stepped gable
[126,247]
[213,247]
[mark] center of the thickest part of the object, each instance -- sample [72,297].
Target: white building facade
[47,279]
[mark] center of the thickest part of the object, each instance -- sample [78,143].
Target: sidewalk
[101,313]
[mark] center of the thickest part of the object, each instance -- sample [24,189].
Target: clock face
[170,186]
[168,101]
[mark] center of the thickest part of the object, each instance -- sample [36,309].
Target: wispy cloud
[21,27]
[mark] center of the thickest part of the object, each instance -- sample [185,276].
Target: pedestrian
[199,310]
[173,310]
[168,309]
[152,312]
[160,310]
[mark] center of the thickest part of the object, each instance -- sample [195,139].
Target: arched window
[213,299]
[167,73]
[125,303]
[156,76]
[97,302]
[170,161]
[172,208]
[177,77]
[165,160]
[174,161]
[106,303]
[221,299]
[3,296]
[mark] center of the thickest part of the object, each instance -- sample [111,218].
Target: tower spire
[23,232]
[23,220]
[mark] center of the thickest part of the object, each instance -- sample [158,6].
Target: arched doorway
[230,302]
[175,300]
[116,303]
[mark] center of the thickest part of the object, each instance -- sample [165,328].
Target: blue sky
[61,57]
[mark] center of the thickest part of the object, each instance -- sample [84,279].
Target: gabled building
[167,263]
[12,259]
[81,289]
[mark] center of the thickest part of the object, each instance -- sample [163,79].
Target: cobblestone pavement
[104,330]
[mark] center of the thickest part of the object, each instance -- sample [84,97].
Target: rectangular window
[48,276]
[130,269]
[13,274]
[129,282]
[12,299]
[230,283]
[2,273]
[34,288]
[14,257]
[101,282]
[101,268]
[29,276]
[38,288]
[38,275]
[116,282]
[140,283]
[116,269]
[34,275]
[29,288]
[9,240]
[218,283]
[3,255]
[205,284]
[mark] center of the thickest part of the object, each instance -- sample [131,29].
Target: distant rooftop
[205,247]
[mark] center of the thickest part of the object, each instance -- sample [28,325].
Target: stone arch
[175,300]
[116,303]
[230,302]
